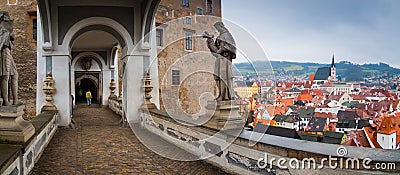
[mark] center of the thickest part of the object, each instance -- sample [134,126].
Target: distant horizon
[328,62]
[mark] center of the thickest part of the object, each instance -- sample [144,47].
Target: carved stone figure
[224,50]
[8,70]
[13,128]
[86,63]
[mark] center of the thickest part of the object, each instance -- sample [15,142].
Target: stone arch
[94,79]
[94,55]
[99,60]
[98,23]
[113,58]
[149,15]
[96,91]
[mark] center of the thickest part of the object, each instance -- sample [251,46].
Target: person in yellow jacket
[89,98]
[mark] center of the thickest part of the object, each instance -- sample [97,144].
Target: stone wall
[196,66]
[172,9]
[24,52]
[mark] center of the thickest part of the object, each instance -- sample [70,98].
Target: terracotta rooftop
[369,131]
[362,139]
[387,126]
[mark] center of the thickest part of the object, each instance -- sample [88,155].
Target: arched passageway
[75,29]
[84,86]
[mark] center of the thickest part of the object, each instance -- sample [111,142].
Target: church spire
[333,61]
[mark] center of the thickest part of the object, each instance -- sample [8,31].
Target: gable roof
[346,123]
[352,114]
[336,96]
[324,115]
[306,112]
[310,137]
[294,90]
[277,131]
[332,137]
[280,118]
[371,134]
[387,126]
[350,142]
[362,139]
[316,124]
[305,97]
[323,73]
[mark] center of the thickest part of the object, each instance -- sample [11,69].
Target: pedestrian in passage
[89,98]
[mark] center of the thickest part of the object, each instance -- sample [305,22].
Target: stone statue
[224,50]
[8,70]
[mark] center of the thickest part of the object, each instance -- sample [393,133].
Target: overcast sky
[360,31]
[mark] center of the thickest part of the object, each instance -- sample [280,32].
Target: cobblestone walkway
[100,146]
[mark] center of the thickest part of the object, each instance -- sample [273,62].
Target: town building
[246,89]
[326,74]
[337,87]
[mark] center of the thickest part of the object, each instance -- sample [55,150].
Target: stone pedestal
[225,116]
[49,90]
[13,128]
[112,88]
[147,90]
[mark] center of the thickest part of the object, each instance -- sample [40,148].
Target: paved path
[100,146]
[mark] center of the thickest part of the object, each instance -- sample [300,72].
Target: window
[189,40]
[176,77]
[199,11]
[159,37]
[185,3]
[188,20]
[210,7]
[32,26]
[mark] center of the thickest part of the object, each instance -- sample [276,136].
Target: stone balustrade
[115,105]
[245,150]
[21,158]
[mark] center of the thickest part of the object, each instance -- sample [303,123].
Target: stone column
[62,99]
[13,128]
[132,90]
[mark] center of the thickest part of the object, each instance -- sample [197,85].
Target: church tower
[333,76]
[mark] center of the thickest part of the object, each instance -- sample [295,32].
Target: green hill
[345,69]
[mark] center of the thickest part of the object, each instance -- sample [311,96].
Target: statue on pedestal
[224,112]
[8,70]
[13,128]
[224,50]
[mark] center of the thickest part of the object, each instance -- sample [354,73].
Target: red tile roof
[362,139]
[387,126]
[370,132]
[312,76]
